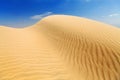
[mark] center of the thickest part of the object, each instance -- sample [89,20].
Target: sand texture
[60,47]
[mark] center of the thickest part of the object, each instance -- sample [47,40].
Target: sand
[60,47]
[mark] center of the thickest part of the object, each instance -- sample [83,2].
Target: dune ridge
[60,47]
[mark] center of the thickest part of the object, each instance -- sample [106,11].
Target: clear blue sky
[20,13]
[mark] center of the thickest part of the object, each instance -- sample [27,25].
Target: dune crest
[60,47]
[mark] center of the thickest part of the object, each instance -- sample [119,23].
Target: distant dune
[60,47]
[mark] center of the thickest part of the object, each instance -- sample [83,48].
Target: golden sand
[60,47]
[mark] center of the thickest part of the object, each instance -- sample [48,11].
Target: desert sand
[60,47]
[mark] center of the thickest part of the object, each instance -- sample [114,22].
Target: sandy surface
[60,48]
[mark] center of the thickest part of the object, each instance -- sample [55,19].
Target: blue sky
[21,13]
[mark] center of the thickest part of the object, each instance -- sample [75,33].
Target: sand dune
[60,47]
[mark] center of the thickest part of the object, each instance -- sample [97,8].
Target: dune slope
[60,47]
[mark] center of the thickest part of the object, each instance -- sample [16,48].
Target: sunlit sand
[60,47]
